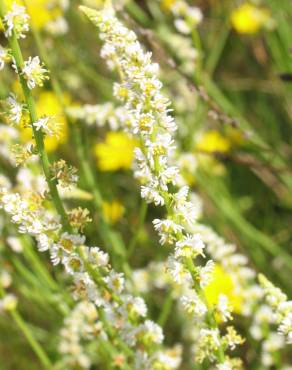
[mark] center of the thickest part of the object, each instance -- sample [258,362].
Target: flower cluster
[120,314]
[282,308]
[82,324]
[187,17]
[16,20]
[99,115]
[34,72]
[94,278]
[198,282]
[149,115]
[4,57]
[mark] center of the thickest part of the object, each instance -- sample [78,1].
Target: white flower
[163,145]
[44,242]
[43,124]
[195,15]
[8,303]
[16,20]
[170,358]
[15,109]
[169,175]
[15,244]
[182,26]
[206,273]
[4,57]
[223,308]
[143,122]
[141,280]
[5,279]
[58,26]
[68,242]
[285,327]
[189,246]
[168,123]
[115,281]
[150,332]
[34,72]
[135,306]
[193,304]
[97,257]
[211,336]
[73,263]
[151,195]
[224,366]
[167,230]
[177,271]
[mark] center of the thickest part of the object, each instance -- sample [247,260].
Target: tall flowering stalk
[31,74]
[123,327]
[149,118]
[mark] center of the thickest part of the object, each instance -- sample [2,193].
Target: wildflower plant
[70,158]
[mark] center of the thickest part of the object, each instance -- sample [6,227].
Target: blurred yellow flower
[48,105]
[222,283]
[249,19]
[166,5]
[212,141]
[116,152]
[113,211]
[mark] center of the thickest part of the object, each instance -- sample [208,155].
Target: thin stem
[111,239]
[38,134]
[137,233]
[39,139]
[210,311]
[42,356]
[166,309]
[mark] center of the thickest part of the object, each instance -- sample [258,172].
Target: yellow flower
[222,283]
[166,5]
[116,152]
[48,104]
[113,211]
[212,141]
[249,19]
[41,12]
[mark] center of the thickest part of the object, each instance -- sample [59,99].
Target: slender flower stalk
[120,313]
[111,239]
[38,134]
[149,116]
[23,327]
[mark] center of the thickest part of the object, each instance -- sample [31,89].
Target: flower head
[249,18]
[116,152]
[34,72]
[4,57]
[16,20]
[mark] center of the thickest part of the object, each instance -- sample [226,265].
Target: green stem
[110,238]
[166,309]
[33,258]
[137,233]
[210,317]
[42,356]
[38,135]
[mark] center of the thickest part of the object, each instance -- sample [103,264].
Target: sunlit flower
[16,20]
[249,18]
[113,211]
[116,152]
[34,72]
[4,57]
[221,283]
[47,104]
[212,141]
